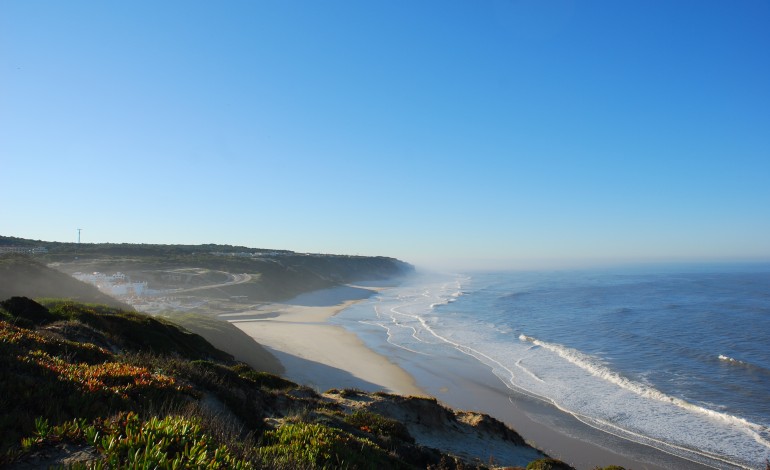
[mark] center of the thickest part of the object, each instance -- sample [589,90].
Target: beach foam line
[592,366]
[416,314]
[503,373]
[687,453]
[507,378]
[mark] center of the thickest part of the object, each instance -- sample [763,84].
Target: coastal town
[135,294]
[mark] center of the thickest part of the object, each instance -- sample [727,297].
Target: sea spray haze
[674,358]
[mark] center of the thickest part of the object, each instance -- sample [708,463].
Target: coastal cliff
[93,386]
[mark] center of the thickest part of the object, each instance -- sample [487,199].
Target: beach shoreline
[323,356]
[462,383]
[320,355]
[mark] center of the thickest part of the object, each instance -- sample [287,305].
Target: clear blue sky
[496,133]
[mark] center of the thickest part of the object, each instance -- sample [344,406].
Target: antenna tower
[79,235]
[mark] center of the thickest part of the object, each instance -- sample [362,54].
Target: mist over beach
[553,212]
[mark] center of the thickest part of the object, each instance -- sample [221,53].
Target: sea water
[676,358]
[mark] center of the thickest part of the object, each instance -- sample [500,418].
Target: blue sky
[495,133]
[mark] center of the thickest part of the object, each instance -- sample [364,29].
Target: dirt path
[234,279]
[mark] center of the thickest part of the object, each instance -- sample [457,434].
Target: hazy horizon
[453,135]
[451,265]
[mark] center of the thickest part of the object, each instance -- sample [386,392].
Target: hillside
[26,277]
[192,284]
[210,275]
[22,276]
[100,387]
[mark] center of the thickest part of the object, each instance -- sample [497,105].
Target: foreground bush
[303,445]
[379,425]
[128,442]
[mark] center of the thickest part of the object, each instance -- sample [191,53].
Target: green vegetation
[377,425]
[43,374]
[315,445]
[548,464]
[90,386]
[127,441]
[263,379]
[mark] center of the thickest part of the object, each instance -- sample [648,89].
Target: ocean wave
[595,367]
[593,391]
[444,296]
[442,302]
[730,360]
[743,364]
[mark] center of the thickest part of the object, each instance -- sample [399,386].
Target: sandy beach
[320,355]
[325,356]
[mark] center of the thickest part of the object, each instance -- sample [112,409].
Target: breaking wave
[490,325]
[597,369]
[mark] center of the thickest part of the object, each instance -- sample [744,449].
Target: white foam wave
[729,359]
[562,376]
[528,372]
[396,322]
[390,337]
[597,369]
[743,364]
[446,299]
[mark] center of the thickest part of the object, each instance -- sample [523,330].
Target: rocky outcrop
[475,438]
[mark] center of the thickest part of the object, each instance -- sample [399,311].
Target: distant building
[26,250]
[116,284]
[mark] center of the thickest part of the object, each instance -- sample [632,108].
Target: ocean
[676,358]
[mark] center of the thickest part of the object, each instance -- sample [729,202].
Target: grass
[128,442]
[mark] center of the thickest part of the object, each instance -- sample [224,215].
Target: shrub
[41,375]
[307,445]
[263,379]
[548,464]
[379,425]
[128,442]
[108,378]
